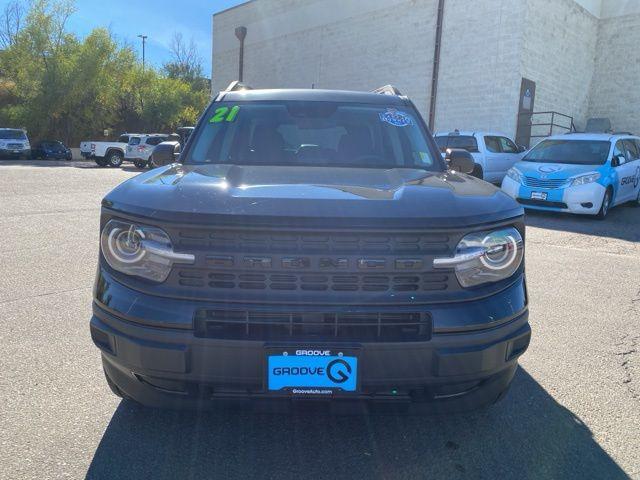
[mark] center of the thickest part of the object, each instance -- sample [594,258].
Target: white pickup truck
[493,153]
[106,153]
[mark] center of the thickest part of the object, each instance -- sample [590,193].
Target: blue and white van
[578,173]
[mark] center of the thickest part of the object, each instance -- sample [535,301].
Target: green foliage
[59,86]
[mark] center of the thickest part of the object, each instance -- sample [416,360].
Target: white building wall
[616,85]
[479,80]
[582,54]
[559,55]
[356,45]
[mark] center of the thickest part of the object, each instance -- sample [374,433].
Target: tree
[59,86]
[11,23]
[185,62]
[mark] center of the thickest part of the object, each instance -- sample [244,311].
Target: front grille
[317,326]
[541,203]
[311,242]
[14,146]
[312,282]
[323,266]
[548,183]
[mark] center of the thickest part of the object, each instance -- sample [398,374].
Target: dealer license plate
[312,371]
[539,195]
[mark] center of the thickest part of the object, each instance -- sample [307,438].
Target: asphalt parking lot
[573,410]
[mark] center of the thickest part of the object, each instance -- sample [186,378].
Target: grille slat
[333,326]
[311,282]
[335,242]
[548,183]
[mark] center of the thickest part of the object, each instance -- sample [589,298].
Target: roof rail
[387,90]
[236,86]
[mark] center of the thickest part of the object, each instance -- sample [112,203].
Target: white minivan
[493,153]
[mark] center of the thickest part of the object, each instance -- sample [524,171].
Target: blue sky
[158,19]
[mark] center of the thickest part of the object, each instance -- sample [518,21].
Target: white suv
[140,148]
[14,144]
[493,153]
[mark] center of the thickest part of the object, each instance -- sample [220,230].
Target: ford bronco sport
[310,244]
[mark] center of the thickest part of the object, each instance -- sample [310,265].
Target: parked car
[140,147]
[493,153]
[177,140]
[14,143]
[106,153]
[51,149]
[311,244]
[585,173]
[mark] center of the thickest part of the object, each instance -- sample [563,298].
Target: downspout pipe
[436,66]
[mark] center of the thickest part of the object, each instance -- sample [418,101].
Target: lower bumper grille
[541,203]
[316,326]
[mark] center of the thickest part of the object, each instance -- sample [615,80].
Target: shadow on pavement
[50,163]
[527,435]
[622,223]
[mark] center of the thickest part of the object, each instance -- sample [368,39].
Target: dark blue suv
[310,244]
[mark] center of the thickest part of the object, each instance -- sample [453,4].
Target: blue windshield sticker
[396,118]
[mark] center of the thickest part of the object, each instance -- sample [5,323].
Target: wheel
[140,164]
[606,205]
[101,162]
[477,172]
[115,158]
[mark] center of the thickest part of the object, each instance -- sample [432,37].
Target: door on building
[525,111]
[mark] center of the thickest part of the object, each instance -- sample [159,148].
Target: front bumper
[583,199]
[5,153]
[150,351]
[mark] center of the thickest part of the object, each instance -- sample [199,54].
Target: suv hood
[299,195]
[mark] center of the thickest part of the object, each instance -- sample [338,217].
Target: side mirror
[459,160]
[618,160]
[165,153]
[522,149]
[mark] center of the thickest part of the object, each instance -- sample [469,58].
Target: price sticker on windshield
[396,118]
[225,114]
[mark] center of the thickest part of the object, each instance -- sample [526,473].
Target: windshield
[312,134]
[465,142]
[573,152]
[13,135]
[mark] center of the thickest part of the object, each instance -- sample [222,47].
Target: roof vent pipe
[241,33]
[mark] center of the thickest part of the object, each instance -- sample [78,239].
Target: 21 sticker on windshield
[225,114]
[396,118]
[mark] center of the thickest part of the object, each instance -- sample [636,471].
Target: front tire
[141,164]
[101,162]
[606,205]
[115,159]
[636,203]
[478,172]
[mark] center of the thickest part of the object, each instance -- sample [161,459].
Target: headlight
[514,174]
[584,179]
[139,250]
[485,257]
